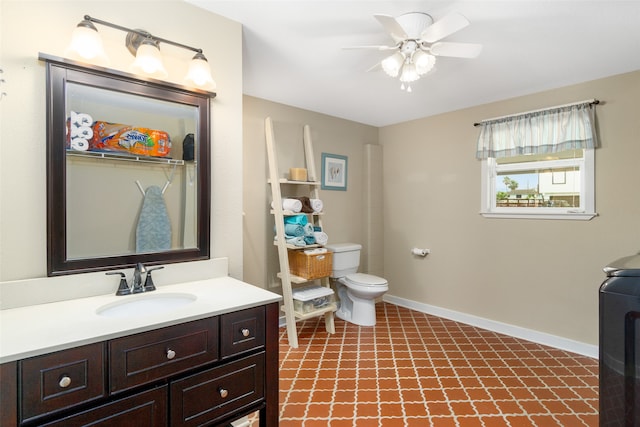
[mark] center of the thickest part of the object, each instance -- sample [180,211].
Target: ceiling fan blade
[372,47]
[392,27]
[375,67]
[457,50]
[444,27]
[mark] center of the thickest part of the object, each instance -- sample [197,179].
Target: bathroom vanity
[209,361]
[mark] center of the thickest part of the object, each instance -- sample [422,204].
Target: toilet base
[363,312]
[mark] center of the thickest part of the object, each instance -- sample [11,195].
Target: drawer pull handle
[223,392]
[65,381]
[171,354]
[246,332]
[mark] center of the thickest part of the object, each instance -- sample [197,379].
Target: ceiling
[293,52]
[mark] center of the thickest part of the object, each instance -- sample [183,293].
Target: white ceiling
[293,52]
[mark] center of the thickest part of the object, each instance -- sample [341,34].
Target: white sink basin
[143,305]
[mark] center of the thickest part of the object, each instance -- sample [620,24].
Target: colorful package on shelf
[130,139]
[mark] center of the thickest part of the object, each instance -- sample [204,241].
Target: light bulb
[409,73]
[423,61]
[148,60]
[86,44]
[392,64]
[199,73]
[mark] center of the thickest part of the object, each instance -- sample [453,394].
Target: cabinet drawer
[145,409]
[155,355]
[242,331]
[60,380]
[204,397]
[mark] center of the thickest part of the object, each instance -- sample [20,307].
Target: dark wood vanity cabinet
[204,372]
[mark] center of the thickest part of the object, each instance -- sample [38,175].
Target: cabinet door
[8,394]
[152,356]
[147,409]
[218,393]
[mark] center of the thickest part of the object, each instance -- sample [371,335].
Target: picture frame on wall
[334,172]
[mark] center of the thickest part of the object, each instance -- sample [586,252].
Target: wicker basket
[310,266]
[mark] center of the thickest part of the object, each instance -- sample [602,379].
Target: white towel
[321,237]
[316,205]
[293,205]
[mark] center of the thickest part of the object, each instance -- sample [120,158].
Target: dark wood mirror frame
[59,73]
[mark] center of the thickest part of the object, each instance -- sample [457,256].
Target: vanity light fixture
[86,44]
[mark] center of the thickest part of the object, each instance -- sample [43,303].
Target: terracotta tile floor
[418,370]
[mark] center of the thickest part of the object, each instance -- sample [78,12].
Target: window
[539,164]
[558,186]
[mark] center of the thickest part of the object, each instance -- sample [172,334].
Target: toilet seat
[365,280]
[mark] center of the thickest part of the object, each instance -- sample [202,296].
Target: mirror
[128,170]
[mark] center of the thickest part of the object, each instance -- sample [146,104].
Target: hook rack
[2,81]
[166,184]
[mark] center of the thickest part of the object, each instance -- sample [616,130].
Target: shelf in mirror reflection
[124,157]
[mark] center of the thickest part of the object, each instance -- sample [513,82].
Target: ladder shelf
[285,276]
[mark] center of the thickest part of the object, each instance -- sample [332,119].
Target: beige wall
[343,220]
[541,275]
[30,27]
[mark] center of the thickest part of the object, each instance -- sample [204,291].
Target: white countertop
[44,328]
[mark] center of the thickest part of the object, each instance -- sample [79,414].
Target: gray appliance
[619,301]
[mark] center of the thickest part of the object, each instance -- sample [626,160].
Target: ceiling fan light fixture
[423,61]
[392,64]
[409,73]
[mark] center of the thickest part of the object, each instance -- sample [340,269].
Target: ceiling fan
[417,44]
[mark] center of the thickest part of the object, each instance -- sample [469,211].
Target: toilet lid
[365,279]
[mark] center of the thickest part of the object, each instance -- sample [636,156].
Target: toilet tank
[346,258]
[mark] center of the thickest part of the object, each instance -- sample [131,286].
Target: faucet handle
[123,287]
[148,282]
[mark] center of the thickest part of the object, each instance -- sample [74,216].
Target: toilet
[357,291]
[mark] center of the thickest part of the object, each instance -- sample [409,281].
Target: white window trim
[587,193]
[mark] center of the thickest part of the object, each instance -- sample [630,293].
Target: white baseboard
[503,328]
[491,325]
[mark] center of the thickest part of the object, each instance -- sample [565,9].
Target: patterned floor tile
[418,370]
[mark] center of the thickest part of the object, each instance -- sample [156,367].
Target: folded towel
[309,239]
[294,230]
[296,241]
[321,237]
[306,204]
[316,205]
[308,229]
[292,205]
[296,219]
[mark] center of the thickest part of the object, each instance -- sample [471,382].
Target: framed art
[334,172]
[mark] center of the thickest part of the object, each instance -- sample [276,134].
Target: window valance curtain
[543,131]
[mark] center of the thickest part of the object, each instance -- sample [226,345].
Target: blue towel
[296,219]
[296,241]
[153,232]
[294,230]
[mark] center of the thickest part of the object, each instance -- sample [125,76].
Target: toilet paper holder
[420,252]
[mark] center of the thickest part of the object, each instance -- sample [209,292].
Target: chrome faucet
[136,285]
[136,281]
